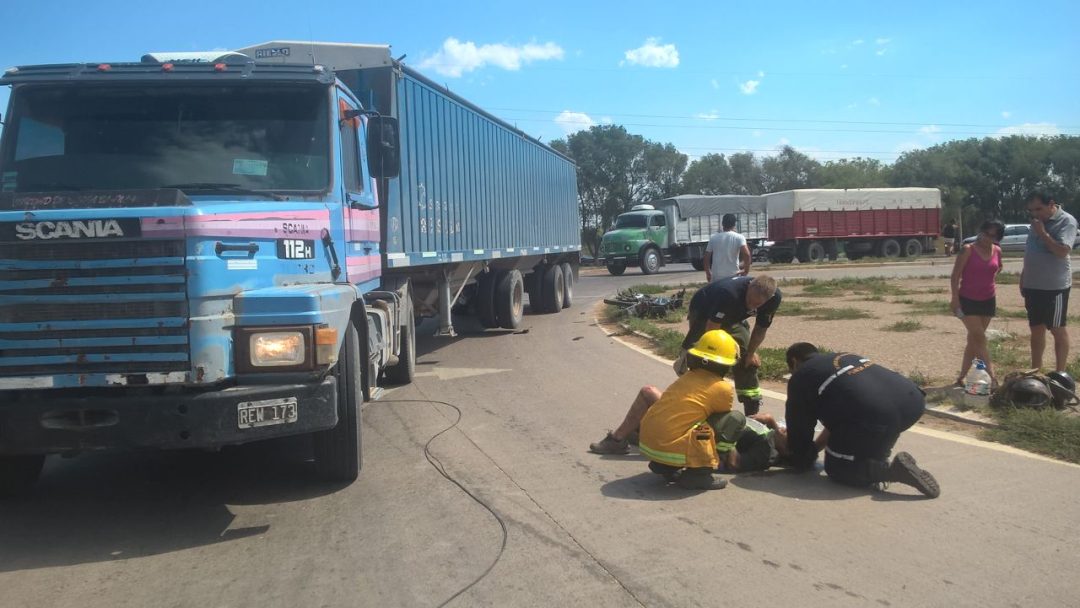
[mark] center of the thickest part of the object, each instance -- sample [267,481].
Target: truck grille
[116,307]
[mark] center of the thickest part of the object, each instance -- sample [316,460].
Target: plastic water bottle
[977,381]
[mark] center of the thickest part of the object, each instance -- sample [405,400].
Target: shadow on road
[645,486]
[812,486]
[115,506]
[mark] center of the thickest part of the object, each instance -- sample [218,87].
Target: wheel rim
[518,304]
[652,261]
[560,285]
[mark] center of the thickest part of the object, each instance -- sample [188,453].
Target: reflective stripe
[1057,310]
[748,392]
[673,459]
[834,454]
[723,446]
[839,372]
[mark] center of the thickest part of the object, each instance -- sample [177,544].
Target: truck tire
[510,299]
[698,264]
[485,298]
[338,451]
[616,268]
[812,252]
[551,297]
[19,473]
[912,248]
[889,248]
[650,261]
[568,285]
[405,370]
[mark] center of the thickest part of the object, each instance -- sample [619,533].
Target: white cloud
[858,42]
[760,74]
[749,87]
[874,101]
[711,115]
[715,83]
[756,133]
[852,106]
[783,142]
[653,55]
[843,66]
[1006,113]
[456,57]
[883,41]
[1031,128]
[881,52]
[929,129]
[606,120]
[572,122]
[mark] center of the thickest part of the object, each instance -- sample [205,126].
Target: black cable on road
[438,466]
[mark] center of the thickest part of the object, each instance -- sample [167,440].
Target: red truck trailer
[887,222]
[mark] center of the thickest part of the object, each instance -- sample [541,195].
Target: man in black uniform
[726,304]
[864,407]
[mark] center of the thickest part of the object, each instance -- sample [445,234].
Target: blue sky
[833,79]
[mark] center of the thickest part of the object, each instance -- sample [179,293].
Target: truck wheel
[616,268]
[552,288]
[19,473]
[650,261]
[912,248]
[510,299]
[698,264]
[403,372]
[338,454]
[889,248]
[812,252]
[568,285]
[485,298]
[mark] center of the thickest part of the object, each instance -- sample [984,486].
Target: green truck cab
[639,237]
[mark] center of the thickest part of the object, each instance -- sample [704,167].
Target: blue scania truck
[202,250]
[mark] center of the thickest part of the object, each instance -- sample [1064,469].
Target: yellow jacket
[674,431]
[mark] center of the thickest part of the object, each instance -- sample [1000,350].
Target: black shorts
[978,308]
[1049,307]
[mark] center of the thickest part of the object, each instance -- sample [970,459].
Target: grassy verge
[873,286]
[845,313]
[1042,431]
[907,325]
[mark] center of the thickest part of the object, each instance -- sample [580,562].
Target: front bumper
[626,258]
[119,419]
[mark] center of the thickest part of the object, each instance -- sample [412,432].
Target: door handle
[249,248]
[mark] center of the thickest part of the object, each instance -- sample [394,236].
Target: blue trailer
[200,250]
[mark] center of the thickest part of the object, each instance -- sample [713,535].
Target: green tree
[746,174]
[853,173]
[789,170]
[710,174]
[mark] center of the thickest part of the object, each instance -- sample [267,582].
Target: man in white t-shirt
[727,254]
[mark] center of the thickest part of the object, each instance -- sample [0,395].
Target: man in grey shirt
[727,254]
[1046,279]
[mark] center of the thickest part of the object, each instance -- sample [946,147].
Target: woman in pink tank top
[974,291]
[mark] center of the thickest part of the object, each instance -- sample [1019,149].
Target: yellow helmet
[717,346]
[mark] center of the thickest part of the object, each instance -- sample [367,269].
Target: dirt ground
[933,351]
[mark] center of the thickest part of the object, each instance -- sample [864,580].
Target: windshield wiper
[225,187]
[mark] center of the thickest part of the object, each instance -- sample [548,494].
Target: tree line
[978,178]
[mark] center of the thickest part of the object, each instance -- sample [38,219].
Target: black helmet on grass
[1062,387]
[1030,393]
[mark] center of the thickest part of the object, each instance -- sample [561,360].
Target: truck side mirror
[383,149]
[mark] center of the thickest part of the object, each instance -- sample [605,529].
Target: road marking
[457,373]
[955,438]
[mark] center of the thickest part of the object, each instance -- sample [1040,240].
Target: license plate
[269,412]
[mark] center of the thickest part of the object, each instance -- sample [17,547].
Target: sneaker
[610,445]
[904,470]
[700,479]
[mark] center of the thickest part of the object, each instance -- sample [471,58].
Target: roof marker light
[167,67]
[220,67]
[104,67]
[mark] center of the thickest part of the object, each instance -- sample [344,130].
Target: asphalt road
[246,527]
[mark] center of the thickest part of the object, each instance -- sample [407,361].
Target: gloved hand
[680,365]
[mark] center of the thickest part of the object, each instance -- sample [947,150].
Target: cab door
[363,257]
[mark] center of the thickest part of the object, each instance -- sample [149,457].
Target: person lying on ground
[760,444]
[864,407]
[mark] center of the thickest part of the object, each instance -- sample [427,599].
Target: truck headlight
[268,349]
[277,349]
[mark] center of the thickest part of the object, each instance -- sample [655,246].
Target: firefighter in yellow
[682,433]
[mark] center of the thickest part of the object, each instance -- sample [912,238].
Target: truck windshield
[117,138]
[630,221]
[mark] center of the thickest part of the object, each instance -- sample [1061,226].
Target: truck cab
[190,258]
[639,236]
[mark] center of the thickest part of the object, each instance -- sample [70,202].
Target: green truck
[677,230]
